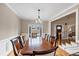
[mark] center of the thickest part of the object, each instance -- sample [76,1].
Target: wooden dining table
[45,45]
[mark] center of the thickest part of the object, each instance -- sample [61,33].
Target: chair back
[22,40]
[16,45]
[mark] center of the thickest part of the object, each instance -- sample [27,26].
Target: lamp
[38,19]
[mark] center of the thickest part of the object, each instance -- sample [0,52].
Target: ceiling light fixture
[38,19]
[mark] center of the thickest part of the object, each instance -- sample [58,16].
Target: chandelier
[38,19]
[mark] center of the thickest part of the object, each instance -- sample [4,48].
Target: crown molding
[60,15]
[11,8]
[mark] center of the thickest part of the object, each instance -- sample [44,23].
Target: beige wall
[25,23]
[9,23]
[45,27]
[69,19]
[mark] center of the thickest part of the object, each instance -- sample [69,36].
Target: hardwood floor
[61,52]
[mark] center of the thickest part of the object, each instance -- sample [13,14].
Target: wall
[45,27]
[69,19]
[25,23]
[9,28]
[9,22]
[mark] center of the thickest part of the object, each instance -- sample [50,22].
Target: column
[77,25]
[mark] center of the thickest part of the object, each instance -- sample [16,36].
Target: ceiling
[47,10]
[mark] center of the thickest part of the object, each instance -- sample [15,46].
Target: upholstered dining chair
[16,46]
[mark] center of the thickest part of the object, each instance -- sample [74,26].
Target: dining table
[28,49]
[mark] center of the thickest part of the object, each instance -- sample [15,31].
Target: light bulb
[36,21]
[39,21]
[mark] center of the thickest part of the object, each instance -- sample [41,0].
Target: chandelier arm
[38,19]
[38,13]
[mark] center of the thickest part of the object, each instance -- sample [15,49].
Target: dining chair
[48,37]
[46,52]
[52,40]
[45,37]
[22,40]
[16,46]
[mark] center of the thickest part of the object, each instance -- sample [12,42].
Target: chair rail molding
[6,46]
